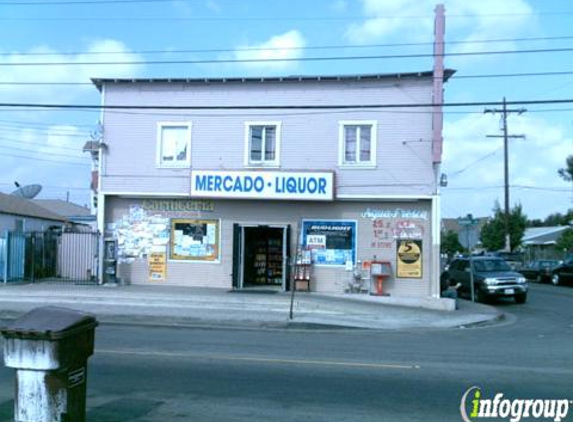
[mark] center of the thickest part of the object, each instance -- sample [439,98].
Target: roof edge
[99,82]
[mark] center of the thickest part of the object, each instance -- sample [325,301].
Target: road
[155,374]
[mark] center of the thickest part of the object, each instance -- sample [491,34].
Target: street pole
[472,287]
[506,177]
[504,111]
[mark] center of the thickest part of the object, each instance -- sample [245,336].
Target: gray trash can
[49,348]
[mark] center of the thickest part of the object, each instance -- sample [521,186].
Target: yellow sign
[409,259]
[157,266]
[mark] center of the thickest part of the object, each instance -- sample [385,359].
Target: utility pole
[504,112]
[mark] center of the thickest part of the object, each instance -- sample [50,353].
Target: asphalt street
[146,374]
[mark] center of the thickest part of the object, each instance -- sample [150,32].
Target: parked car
[540,270]
[514,259]
[563,273]
[493,278]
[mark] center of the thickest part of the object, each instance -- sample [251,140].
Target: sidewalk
[187,306]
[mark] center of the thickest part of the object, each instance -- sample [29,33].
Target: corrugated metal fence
[49,257]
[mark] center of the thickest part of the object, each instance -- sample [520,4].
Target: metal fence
[52,256]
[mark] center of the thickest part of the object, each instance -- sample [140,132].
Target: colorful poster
[331,242]
[157,266]
[409,259]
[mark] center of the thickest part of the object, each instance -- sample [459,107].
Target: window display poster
[409,258]
[196,240]
[331,242]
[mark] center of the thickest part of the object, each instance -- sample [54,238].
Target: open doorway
[260,257]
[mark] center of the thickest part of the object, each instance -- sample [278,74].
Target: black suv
[563,273]
[493,278]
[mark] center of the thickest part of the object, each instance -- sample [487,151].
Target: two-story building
[220,182]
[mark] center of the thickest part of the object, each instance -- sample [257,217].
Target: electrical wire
[40,152]
[26,157]
[287,59]
[44,145]
[254,49]
[479,160]
[281,107]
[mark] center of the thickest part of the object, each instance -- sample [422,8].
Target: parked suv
[563,273]
[493,278]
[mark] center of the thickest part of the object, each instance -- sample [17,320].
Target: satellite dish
[28,192]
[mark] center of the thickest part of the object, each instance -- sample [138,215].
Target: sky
[49,50]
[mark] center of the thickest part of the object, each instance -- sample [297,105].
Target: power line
[77,2]
[246,49]
[456,76]
[279,107]
[26,157]
[286,59]
[92,2]
[26,124]
[38,152]
[473,188]
[44,145]
[479,160]
[42,131]
[50,187]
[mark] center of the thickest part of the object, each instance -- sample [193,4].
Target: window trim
[159,143]
[371,164]
[247,156]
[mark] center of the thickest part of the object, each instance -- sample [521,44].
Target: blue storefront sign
[330,242]
[308,186]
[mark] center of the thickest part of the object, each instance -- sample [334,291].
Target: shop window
[174,145]
[195,240]
[330,242]
[262,143]
[357,143]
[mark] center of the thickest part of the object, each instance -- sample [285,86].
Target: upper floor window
[262,143]
[174,144]
[357,143]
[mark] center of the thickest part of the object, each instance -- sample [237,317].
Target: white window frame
[263,163]
[342,144]
[159,142]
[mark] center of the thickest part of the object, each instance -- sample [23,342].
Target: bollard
[49,347]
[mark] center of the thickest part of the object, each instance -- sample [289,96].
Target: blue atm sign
[302,186]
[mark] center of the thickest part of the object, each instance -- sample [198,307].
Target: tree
[493,232]
[554,219]
[567,172]
[450,243]
[565,241]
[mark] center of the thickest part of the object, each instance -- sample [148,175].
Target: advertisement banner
[409,258]
[330,242]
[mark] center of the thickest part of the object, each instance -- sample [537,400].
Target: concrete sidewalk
[187,306]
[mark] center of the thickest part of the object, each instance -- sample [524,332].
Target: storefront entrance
[260,256]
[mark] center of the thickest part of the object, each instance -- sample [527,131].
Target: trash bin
[49,348]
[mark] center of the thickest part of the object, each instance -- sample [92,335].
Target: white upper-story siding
[309,138]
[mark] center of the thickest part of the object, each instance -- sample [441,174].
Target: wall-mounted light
[443,180]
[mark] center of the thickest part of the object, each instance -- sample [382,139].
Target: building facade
[227,182]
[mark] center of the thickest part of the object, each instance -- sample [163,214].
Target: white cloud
[475,167]
[465,21]
[285,46]
[214,6]
[18,75]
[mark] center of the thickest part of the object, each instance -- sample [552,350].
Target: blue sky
[45,146]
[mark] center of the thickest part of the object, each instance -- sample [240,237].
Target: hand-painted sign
[308,186]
